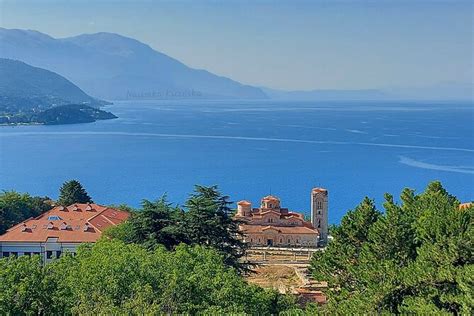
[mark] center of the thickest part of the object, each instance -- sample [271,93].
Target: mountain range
[34,95]
[113,67]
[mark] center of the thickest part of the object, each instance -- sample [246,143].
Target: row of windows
[15,254]
[281,240]
[49,254]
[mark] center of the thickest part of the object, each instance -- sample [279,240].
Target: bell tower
[319,212]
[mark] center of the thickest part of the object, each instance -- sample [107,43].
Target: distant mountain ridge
[112,66]
[115,67]
[34,95]
[327,94]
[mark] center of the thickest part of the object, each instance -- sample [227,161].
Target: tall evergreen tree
[416,258]
[73,192]
[209,222]
[157,223]
[206,220]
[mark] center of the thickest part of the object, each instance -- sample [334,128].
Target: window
[14,254]
[36,253]
[319,204]
[58,254]
[27,254]
[54,218]
[289,241]
[49,254]
[281,240]
[5,254]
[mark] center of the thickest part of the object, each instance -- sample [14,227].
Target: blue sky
[282,44]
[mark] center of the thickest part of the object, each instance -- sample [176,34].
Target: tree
[111,277]
[208,222]
[23,287]
[155,224]
[16,207]
[72,192]
[417,257]
[336,264]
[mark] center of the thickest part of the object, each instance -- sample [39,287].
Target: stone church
[272,225]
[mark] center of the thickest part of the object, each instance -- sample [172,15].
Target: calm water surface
[250,149]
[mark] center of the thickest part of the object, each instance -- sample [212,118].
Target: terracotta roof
[292,214]
[244,202]
[319,190]
[270,198]
[281,229]
[464,206]
[75,223]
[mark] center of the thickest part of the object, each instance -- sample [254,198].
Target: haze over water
[250,149]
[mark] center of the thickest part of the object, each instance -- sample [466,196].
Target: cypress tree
[73,192]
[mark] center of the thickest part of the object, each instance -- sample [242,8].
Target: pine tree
[209,222]
[72,192]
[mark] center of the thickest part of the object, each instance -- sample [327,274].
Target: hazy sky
[286,45]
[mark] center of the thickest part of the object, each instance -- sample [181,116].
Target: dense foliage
[16,207]
[416,257]
[73,192]
[114,278]
[205,220]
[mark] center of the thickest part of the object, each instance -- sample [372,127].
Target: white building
[60,230]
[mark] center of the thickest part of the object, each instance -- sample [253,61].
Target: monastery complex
[272,225]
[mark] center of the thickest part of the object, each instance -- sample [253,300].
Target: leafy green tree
[114,278]
[73,192]
[417,257]
[16,207]
[23,290]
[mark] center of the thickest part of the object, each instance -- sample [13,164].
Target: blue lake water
[250,149]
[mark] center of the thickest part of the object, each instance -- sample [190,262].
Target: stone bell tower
[319,212]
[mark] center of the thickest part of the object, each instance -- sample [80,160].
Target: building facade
[60,230]
[272,225]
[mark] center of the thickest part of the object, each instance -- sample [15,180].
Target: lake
[250,149]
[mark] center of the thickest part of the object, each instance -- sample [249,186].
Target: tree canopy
[415,257]
[16,207]
[73,192]
[204,220]
[114,278]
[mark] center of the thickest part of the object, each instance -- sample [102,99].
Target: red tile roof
[75,223]
[244,203]
[319,190]
[270,198]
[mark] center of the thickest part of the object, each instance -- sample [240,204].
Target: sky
[291,45]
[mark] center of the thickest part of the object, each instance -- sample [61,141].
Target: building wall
[282,240]
[51,248]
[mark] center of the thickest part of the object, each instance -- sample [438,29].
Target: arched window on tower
[319,204]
